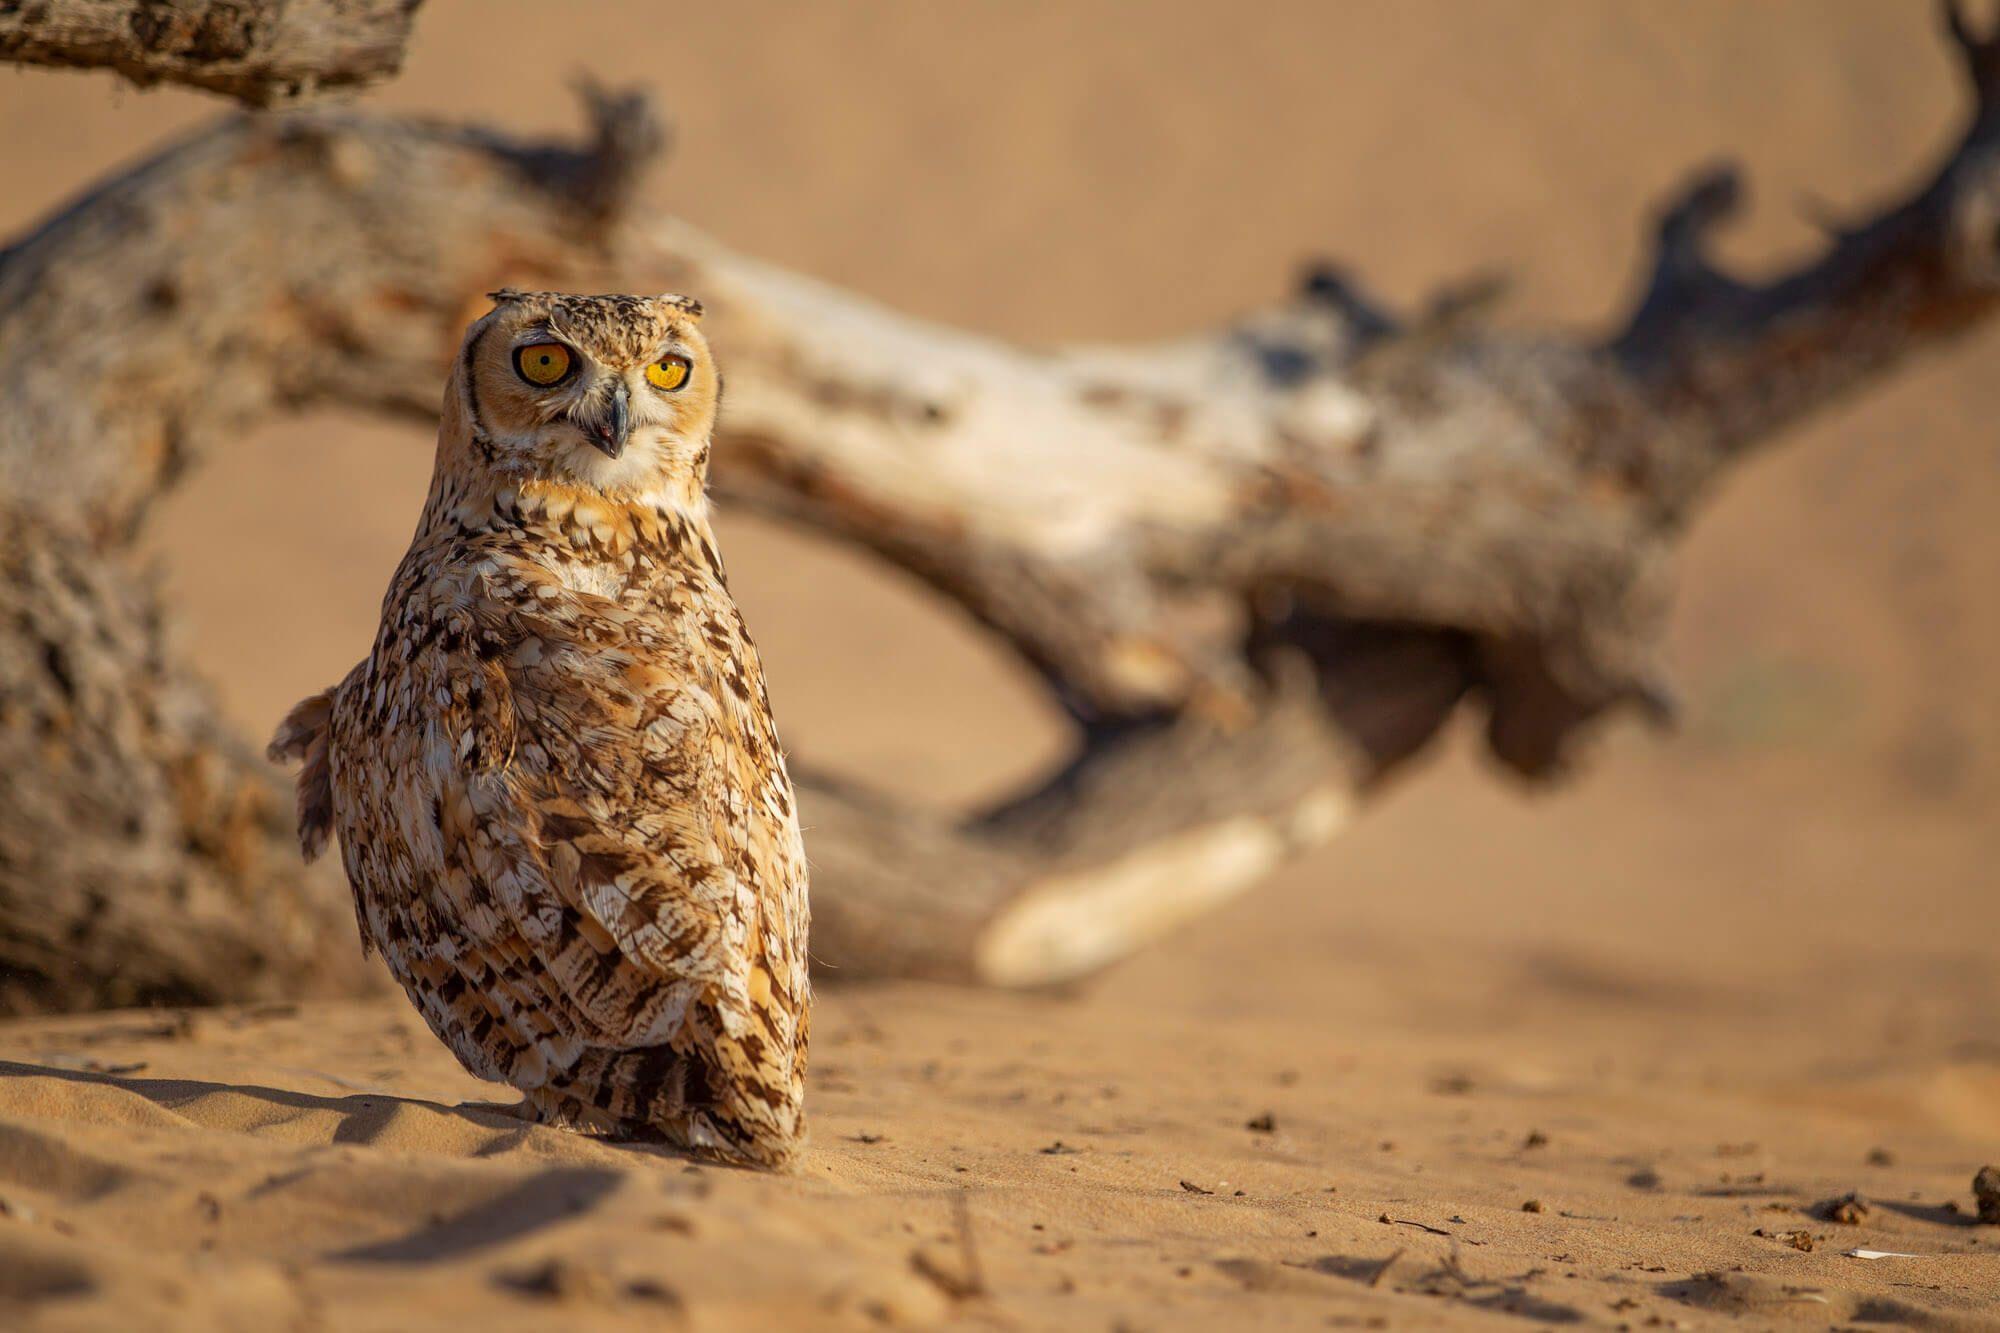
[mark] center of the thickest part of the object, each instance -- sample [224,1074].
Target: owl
[559,795]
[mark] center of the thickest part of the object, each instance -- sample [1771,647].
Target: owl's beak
[610,431]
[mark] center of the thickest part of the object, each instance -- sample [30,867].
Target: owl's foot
[549,1107]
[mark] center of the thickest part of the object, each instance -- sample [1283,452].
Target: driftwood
[262,52]
[1259,568]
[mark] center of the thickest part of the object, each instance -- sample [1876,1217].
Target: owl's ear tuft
[687,305]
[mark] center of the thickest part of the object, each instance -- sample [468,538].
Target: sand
[1725,976]
[1015,1161]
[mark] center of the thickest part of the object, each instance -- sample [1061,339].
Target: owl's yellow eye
[543,364]
[668,373]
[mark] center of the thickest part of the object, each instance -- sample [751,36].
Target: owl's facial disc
[613,394]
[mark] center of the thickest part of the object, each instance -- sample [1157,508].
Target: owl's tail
[304,734]
[688,1097]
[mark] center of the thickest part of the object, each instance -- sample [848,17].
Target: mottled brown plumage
[560,799]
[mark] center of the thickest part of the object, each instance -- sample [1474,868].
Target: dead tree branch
[1260,567]
[260,52]
[1723,364]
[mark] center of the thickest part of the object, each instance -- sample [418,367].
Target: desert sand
[1496,1058]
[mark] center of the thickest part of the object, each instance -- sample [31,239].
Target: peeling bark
[1260,567]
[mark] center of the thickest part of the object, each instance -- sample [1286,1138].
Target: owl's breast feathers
[569,830]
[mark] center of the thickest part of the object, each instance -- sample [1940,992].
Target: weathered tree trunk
[1259,568]
[142,853]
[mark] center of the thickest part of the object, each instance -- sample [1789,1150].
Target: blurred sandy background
[1802,884]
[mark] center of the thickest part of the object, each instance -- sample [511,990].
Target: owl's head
[615,394]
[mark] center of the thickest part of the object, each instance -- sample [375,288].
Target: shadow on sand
[549,1196]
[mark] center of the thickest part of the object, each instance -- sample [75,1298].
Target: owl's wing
[305,735]
[618,794]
